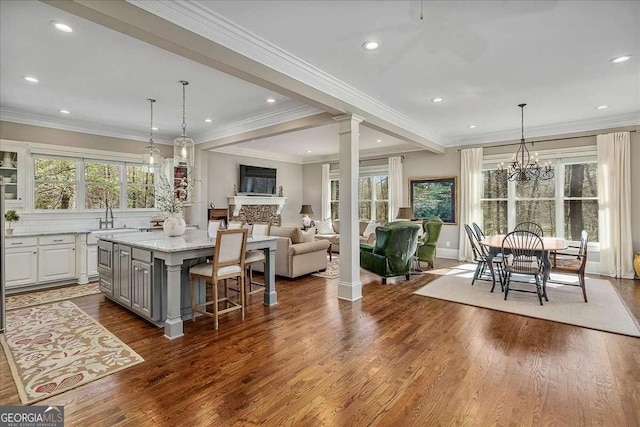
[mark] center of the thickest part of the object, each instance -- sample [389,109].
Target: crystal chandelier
[524,166]
[183,147]
[151,156]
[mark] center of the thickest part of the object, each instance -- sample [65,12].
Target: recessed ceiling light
[472,126]
[208,120]
[619,59]
[271,100]
[61,27]
[154,128]
[370,45]
[601,107]
[268,149]
[307,151]
[379,140]
[65,111]
[31,79]
[437,99]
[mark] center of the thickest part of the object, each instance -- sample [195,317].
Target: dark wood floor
[390,359]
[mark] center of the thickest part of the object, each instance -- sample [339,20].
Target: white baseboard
[447,253]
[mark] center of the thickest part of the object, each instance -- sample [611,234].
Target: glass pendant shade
[151,156]
[183,146]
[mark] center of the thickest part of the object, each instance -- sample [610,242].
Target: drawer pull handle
[58,240]
[15,243]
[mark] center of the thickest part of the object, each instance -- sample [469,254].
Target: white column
[349,284]
[173,322]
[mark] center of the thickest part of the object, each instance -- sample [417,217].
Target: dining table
[550,244]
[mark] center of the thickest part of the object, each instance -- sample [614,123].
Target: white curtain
[395,186]
[470,194]
[326,193]
[614,204]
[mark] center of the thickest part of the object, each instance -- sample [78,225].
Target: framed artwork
[431,197]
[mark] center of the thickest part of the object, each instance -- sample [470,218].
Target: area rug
[605,311]
[51,295]
[332,271]
[55,347]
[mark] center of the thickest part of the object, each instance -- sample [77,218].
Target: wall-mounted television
[257,180]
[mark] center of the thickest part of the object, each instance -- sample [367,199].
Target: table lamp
[405,214]
[305,211]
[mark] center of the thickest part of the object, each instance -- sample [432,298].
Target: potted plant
[172,198]
[10,216]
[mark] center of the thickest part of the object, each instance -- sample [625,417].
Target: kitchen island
[148,273]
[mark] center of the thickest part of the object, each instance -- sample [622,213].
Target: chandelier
[524,166]
[151,156]
[183,149]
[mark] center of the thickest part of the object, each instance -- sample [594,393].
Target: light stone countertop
[191,239]
[101,231]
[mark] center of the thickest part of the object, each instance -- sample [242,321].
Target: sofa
[393,252]
[366,233]
[297,253]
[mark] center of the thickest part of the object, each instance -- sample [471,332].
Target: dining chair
[525,249]
[481,256]
[530,226]
[213,227]
[573,263]
[228,263]
[234,225]
[478,231]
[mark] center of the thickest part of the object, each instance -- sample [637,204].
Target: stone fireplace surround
[256,209]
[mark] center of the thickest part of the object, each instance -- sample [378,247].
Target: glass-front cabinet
[12,165]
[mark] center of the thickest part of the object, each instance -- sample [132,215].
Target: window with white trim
[141,187]
[373,198]
[563,205]
[55,184]
[101,185]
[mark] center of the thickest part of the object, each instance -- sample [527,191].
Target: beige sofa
[294,256]
[334,237]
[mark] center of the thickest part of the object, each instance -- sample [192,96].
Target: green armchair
[427,251]
[393,252]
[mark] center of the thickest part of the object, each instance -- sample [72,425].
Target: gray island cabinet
[148,273]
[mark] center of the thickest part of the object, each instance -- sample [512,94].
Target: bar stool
[228,263]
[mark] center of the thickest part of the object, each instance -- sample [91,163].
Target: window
[140,187]
[373,198]
[102,185]
[54,183]
[60,182]
[563,206]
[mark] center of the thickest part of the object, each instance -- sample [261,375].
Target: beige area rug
[55,347]
[605,311]
[332,271]
[51,295]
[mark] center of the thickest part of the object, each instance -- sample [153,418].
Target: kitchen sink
[92,238]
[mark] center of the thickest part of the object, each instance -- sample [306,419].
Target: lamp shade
[404,213]
[306,210]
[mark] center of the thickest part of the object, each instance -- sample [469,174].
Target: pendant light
[524,166]
[183,147]
[151,157]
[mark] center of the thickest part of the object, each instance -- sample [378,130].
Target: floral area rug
[51,295]
[55,347]
[332,271]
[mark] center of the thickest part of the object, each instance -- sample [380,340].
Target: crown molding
[73,125]
[364,154]
[621,120]
[290,112]
[212,26]
[261,154]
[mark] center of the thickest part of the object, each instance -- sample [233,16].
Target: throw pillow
[371,228]
[308,235]
[324,227]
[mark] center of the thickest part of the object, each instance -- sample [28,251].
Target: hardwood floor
[390,359]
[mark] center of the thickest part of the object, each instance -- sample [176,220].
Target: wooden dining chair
[573,263]
[525,250]
[234,225]
[530,226]
[478,231]
[481,256]
[228,263]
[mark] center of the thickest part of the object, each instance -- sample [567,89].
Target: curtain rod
[534,142]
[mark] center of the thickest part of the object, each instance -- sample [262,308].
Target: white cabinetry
[92,260]
[21,261]
[12,172]
[56,258]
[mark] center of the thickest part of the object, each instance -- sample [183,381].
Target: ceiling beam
[140,24]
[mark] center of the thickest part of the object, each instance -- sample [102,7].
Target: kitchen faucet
[108,211]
